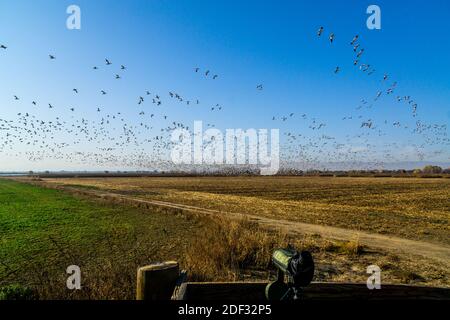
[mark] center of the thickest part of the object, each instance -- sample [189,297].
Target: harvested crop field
[111,226]
[412,208]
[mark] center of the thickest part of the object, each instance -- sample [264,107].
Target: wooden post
[179,292]
[157,281]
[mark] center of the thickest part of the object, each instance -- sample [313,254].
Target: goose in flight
[196,69]
[122,67]
[355,38]
[51,57]
[364,67]
[103,92]
[117,76]
[34,102]
[215,76]
[16,98]
[259,87]
[75,90]
[319,32]
[94,67]
[331,37]
[107,62]
[3,47]
[206,73]
[337,69]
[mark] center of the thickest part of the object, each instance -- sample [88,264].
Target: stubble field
[194,221]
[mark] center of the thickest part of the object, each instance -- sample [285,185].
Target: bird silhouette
[319,32]
[331,37]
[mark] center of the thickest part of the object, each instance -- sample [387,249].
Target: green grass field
[42,231]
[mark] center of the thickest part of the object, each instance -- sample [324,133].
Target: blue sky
[246,43]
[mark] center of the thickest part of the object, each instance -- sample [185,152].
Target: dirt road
[372,240]
[389,243]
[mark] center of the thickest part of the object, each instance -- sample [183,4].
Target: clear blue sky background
[245,43]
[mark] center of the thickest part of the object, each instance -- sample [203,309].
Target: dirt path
[373,240]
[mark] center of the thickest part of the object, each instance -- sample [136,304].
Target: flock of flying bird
[114,141]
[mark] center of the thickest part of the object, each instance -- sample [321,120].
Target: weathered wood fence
[165,281]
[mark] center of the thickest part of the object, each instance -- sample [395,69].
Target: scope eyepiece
[299,266]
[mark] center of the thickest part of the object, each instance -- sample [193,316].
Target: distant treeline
[425,172]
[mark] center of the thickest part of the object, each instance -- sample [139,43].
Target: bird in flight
[107,62]
[75,90]
[259,87]
[215,76]
[337,69]
[3,47]
[319,32]
[103,92]
[95,68]
[331,37]
[196,69]
[122,67]
[117,76]
[355,38]
[51,57]
[16,97]
[206,73]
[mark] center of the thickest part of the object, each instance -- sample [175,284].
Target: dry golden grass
[240,250]
[218,248]
[413,208]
